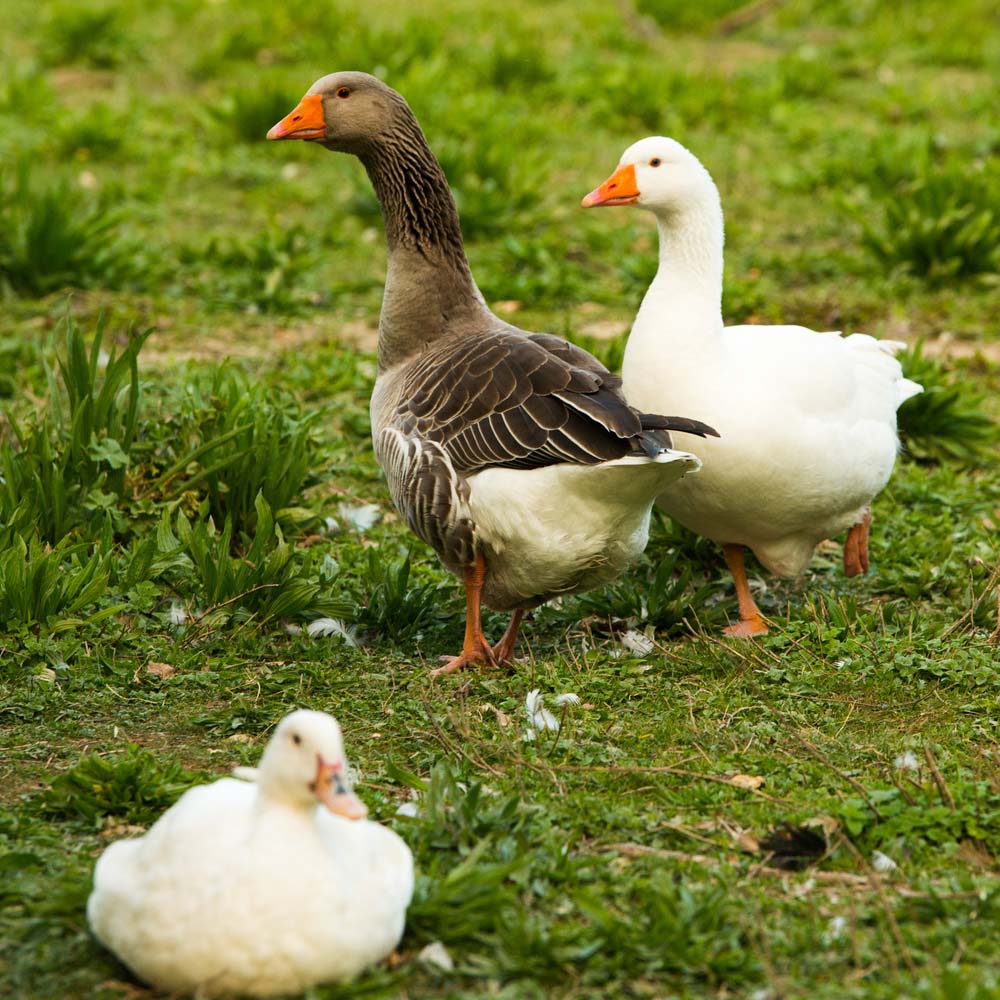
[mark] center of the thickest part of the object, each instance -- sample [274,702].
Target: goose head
[345,112]
[304,762]
[656,173]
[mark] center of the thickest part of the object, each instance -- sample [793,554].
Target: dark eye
[296,739]
[655,161]
[343,91]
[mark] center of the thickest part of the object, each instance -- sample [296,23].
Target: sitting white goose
[807,420]
[250,888]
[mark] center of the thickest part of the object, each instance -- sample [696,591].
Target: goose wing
[515,401]
[502,401]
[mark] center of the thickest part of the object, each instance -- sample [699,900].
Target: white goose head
[659,174]
[304,762]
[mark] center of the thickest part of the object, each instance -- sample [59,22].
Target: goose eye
[655,161]
[296,739]
[343,91]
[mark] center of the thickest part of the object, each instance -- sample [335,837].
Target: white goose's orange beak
[307,121]
[619,189]
[333,791]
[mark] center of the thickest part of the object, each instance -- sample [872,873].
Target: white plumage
[569,528]
[807,420]
[252,888]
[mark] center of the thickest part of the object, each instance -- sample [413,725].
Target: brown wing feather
[517,401]
[513,401]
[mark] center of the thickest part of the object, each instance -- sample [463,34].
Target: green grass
[178,507]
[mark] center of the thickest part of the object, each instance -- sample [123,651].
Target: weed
[948,420]
[458,900]
[135,786]
[72,459]
[93,35]
[250,112]
[943,225]
[705,941]
[677,15]
[262,273]
[98,133]
[663,596]
[52,236]
[264,584]
[233,441]
[392,608]
[37,583]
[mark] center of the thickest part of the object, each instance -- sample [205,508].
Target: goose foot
[751,621]
[503,651]
[856,547]
[746,628]
[475,649]
[479,653]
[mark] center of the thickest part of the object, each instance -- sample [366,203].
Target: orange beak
[332,790]
[305,122]
[619,189]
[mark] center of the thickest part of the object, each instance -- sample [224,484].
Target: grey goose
[514,455]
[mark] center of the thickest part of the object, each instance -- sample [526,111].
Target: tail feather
[656,422]
[906,388]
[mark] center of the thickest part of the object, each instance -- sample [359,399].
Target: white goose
[250,888]
[807,420]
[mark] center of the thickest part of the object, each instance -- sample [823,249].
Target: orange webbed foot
[746,628]
[856,560]
[471,656]
[503,651]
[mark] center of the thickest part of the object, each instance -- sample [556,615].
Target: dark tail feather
[654,422]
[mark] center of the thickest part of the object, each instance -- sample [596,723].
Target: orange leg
[856,547]
[475,649]
[504,649]
[751,621]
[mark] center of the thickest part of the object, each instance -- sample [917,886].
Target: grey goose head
[346,112]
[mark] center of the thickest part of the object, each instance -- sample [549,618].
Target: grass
[195,538]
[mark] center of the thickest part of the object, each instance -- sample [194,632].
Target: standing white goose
[250,888]
[807,420]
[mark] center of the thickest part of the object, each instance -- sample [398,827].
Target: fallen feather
[178,614]
[638,643]
[538,715]
[835,929]
[360,517]
[567,699]
[436,954]
[907,761]
[882,862]
[332,626]
[408,809]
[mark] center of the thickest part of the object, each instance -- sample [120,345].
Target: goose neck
[689,275]
[429,291]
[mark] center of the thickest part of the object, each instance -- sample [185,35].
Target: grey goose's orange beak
[619,189]
[305,122]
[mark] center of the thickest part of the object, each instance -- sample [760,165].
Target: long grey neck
[429,288]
